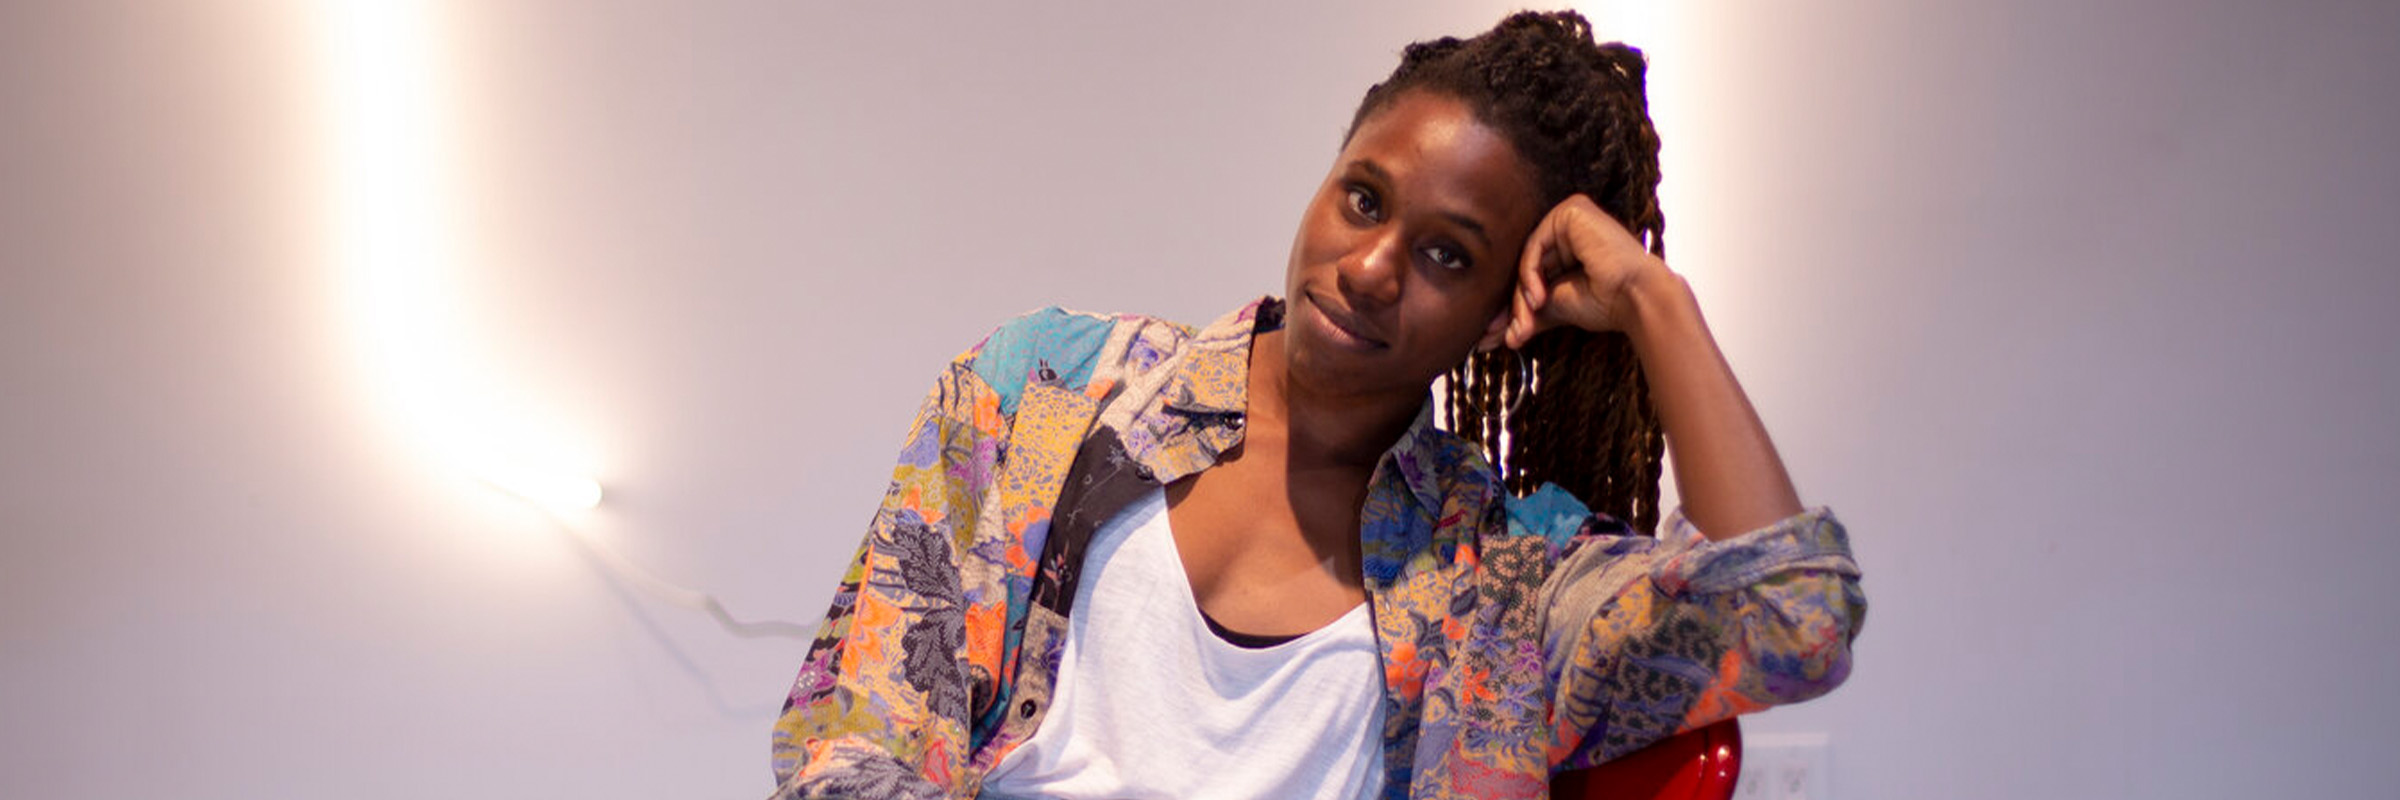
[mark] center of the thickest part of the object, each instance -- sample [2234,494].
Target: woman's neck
[1316,428]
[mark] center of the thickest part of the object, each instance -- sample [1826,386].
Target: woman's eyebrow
[1372,169]
[1470,224]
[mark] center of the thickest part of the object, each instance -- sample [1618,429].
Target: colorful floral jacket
[1519,636]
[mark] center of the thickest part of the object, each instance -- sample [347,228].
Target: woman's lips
[1344,327]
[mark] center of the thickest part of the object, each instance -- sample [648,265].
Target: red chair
[1693,765]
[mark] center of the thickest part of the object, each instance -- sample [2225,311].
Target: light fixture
[398,254]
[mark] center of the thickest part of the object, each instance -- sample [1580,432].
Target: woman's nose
[1374,268]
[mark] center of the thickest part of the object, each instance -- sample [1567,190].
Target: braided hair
[1576,113]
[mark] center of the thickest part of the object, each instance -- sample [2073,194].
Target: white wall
[2078,316]
[2082,314]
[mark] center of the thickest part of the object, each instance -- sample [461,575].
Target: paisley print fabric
[1518,636]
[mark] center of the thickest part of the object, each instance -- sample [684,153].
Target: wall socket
[1785,766]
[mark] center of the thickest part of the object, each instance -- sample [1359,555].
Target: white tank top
[1150,703]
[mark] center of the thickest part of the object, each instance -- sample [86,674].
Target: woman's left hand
[1579,268]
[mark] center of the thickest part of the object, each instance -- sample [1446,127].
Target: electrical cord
[673,594]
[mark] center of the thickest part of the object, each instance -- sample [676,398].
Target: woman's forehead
[1432,147]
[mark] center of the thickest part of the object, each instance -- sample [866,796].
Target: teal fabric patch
[1067,343]
[1550,512]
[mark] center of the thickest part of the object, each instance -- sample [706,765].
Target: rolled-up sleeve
[1647,637]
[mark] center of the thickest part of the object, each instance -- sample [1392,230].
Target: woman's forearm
[1726,469]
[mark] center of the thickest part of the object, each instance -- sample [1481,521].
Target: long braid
[1576,111]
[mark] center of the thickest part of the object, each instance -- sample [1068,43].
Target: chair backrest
[1694,765]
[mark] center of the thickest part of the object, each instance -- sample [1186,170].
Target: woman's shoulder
[1067,346]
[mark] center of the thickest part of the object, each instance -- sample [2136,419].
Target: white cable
[678,595]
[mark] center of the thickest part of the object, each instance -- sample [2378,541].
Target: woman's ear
[1496,333]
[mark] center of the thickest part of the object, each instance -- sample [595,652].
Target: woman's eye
[1447,257]
[1364,204]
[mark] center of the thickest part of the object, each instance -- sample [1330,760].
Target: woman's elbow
[1801,645]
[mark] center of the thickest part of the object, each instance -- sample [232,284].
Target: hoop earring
[1524,385]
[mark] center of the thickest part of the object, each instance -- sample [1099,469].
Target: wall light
[395,194]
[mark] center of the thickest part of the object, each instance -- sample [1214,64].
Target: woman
[1122,557]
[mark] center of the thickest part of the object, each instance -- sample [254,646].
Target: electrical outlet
[1785,766]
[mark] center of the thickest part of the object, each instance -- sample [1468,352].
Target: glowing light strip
[398,251]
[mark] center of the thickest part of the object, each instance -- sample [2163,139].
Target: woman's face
[1407,253]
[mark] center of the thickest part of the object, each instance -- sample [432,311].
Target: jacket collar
[1214,377]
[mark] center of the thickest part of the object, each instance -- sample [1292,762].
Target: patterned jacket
[1519,636]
